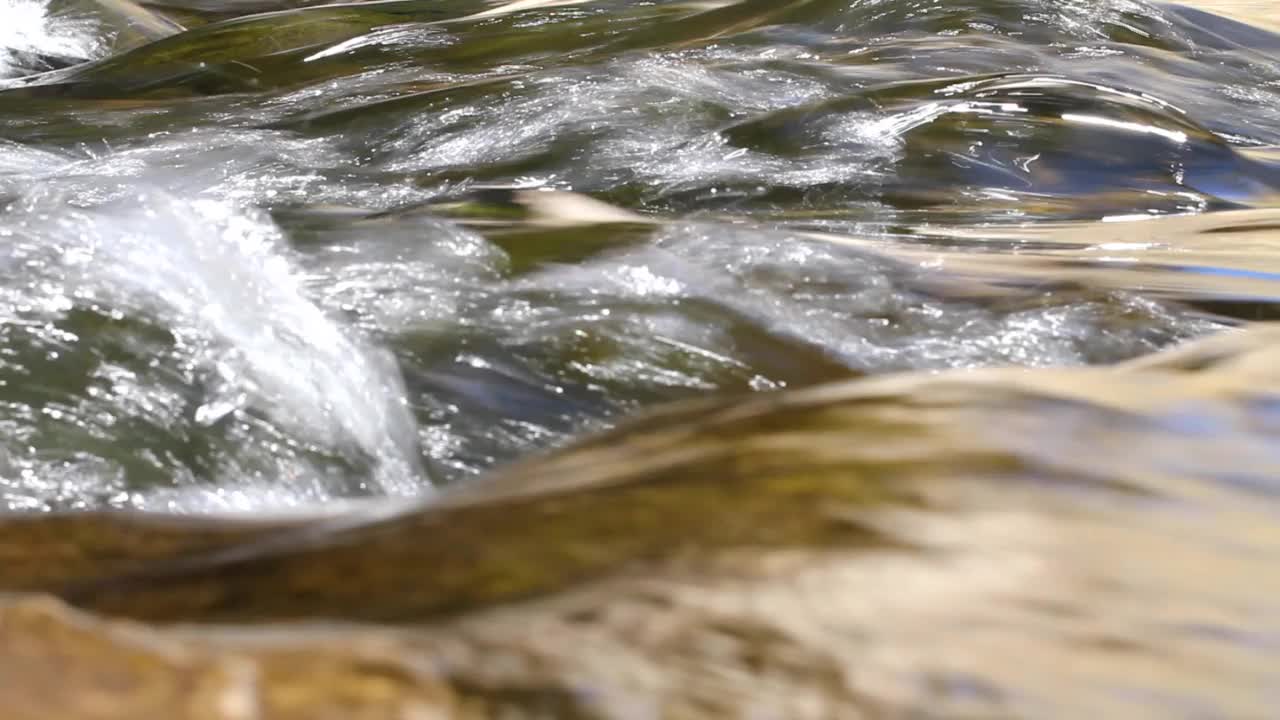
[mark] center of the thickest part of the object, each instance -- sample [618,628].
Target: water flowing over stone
[600,359]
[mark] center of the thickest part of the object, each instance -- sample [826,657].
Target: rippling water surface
[269,256]
[277,257]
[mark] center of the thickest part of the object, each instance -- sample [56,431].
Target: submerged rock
[882,547]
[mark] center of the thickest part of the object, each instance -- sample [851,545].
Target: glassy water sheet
[268,259]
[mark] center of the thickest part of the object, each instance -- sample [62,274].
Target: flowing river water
[666,359]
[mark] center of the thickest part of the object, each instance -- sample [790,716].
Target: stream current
[265,258]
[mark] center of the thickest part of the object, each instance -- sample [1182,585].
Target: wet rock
[853,549]
[57,663]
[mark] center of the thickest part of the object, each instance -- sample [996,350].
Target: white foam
[29,30]
[221,279]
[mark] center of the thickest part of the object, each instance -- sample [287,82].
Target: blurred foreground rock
[903,546]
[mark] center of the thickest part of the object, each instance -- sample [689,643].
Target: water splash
[248,346]
[31,35]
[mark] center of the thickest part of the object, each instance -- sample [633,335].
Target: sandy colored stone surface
[850,550]
[1262,13]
